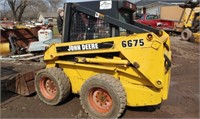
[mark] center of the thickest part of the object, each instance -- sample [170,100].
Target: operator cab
[81,26]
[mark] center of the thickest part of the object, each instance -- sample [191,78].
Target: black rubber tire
[192,38]
[115,90]
[61,81]
[186,34]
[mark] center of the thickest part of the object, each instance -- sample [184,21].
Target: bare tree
[54,4]
[18,7]
[34,8]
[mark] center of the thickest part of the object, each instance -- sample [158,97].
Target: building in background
[154,6]
[48,18]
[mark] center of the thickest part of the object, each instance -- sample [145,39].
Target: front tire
[102,96]
[186,34]
[52,85]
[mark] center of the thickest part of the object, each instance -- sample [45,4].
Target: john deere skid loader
[108,59]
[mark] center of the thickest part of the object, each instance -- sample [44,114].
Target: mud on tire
[52,85]
[102,96]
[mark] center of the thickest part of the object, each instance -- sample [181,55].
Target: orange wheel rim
[48,88]
[100,100]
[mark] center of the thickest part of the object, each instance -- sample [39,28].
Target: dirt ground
[183,101]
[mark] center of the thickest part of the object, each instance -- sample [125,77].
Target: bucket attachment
[20,82]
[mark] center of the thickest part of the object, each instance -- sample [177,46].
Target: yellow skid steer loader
[108,59]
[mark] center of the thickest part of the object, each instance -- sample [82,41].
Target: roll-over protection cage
[89,20]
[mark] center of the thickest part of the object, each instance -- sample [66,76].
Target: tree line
[20,10]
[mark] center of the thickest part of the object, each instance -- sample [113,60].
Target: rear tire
[192,38]
[186,34]
[52,85]
[102,96]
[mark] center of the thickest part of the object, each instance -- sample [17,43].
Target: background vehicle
[190,17]
[154,21]
[109,71]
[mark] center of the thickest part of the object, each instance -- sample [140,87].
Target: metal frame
[67,22]
[134,27]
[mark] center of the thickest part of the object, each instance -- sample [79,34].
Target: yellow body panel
[190,20]
[4,48]
[138,95]
[197,37]
[140,66]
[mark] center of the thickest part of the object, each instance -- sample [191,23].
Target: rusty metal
[24,35]
[18,76]
[22,84]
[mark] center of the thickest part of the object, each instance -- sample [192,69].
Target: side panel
[80,73]
[137,93]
